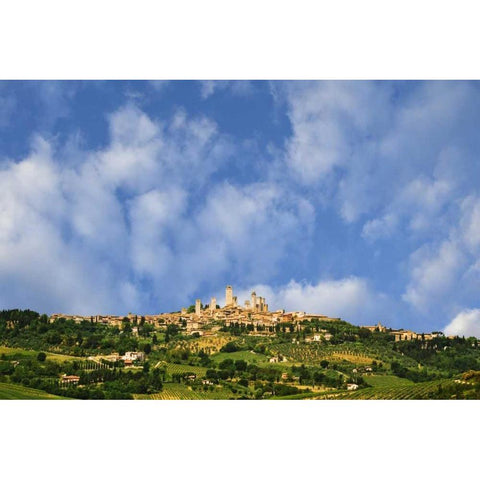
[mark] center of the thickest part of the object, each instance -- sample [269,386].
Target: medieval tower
[253,302]
[213,305]
[229,296]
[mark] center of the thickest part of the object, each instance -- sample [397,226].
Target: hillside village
[228,352]
[254,315]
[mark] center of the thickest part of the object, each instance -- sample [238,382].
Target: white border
[251,39]
[238,440]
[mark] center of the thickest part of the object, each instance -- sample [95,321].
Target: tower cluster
[255,304]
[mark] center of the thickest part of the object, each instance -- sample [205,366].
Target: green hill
[10,391]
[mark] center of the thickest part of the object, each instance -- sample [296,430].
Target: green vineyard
[183,392]
[386,381]
[356,354]
[419,391]
[177,368]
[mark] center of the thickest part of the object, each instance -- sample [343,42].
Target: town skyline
[209,318]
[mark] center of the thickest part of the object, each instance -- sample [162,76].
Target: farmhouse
[70,379]
[133,356]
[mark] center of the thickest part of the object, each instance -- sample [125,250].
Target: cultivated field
[386,381]
[352,357]
[174,391]
[9,391]
[314,353]
[414,391]
[173,368]
[248,356]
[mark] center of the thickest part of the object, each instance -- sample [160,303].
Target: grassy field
[17,353]
[9,391]
[175,391]
[386,381]
[12,353]
[248,356]
[415,391]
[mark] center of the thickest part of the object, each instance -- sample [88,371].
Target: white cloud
[466,323]
[159,85]
[254,224]
[82,234]
[372,156]
[418,205]
[151,215]
[446,273]
[39,264]
[350,298]
[433,274]
[138,224]
[470,223]
[326,117]
[208,87]
[235,87]
[380,227]
[400,161]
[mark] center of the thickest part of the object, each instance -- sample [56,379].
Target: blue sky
[352,199]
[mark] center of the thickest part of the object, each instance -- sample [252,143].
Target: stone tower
[198,307]
[229,296]
[254,301]
[213,305]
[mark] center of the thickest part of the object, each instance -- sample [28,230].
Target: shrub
[229,347]
[41,357]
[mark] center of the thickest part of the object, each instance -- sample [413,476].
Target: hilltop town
[228,352]
[254,316]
